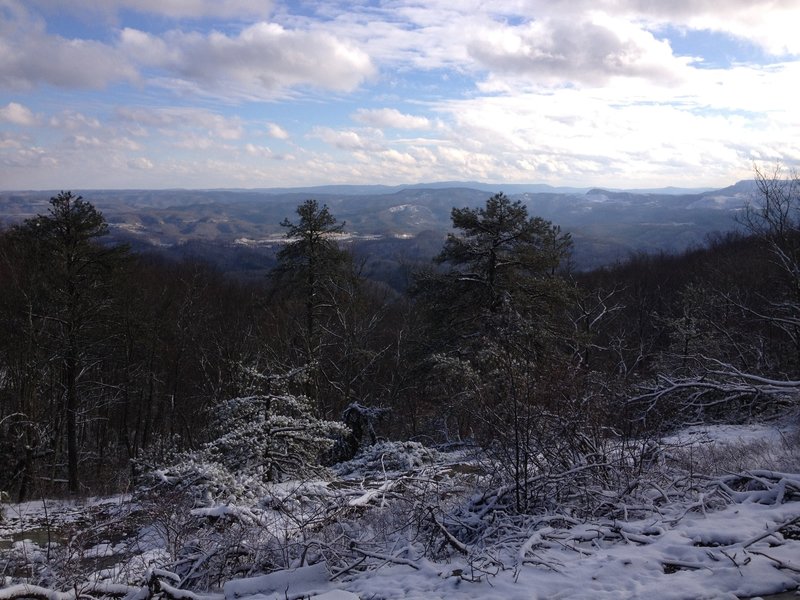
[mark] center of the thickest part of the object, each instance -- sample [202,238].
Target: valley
[234,228]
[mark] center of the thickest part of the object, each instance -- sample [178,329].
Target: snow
[386,458]
[404,208]
[280,585]
[731,434]
[336,595]
[614,569]
[379,530]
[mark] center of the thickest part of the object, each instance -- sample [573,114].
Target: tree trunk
[71,375]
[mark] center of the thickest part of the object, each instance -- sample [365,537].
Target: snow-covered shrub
[266,436]
[362,422]
[388,457]
[273,437]
[223,508]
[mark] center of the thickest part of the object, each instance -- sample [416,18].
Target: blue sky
[245,93]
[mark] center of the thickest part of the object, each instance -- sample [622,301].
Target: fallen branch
[779,563]
[25,591]
[34,592]
[771,531]
[449,537]
[349,568]
[681,564]
[388,558]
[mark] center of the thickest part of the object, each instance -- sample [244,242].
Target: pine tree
[503,264]
[267,434]
[310,256]
[73,290]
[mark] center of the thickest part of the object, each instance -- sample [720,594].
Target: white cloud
[29,56]
[390,118]
[52,60]
[630,134]
[588,52]
[9,140]
[617,37]
[17,114]
[399,158]
[140,163]
[260,151]
[276,131]
[262,60]
[348,139]
[71,120]
[82,141]
[565,91]
[180,119]
[770,24]
[193,9]
[29,157]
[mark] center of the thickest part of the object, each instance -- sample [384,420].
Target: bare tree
[712,368]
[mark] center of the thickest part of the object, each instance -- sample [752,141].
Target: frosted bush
[258,439]
[388,457]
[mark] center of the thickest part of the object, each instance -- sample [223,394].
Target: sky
[251,94]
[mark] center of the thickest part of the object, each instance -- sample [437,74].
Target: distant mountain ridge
[508,188]
[607,225]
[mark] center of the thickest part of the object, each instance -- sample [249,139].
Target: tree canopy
[70,289]
[501,261]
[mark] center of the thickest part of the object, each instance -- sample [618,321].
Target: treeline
[110,360]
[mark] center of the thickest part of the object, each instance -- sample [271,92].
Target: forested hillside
[239,230]
[121,369]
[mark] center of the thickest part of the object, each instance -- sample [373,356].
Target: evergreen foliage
[503,264]
[309,259]
[98,369]
[69,292]
[268,435]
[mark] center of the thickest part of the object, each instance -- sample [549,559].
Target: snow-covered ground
[722,520]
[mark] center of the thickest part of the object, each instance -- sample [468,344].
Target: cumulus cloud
[202,120]
[565,91]
[71,120]
[589,52]
[28,61]
[29,157]
[258,151]
[770,24]
[396,157]
[30,56]
[263,58]
[276,131]
[629,135]
[618,37]
[9,140]
[347,139]
[17,114]
[390,118]
[140,163]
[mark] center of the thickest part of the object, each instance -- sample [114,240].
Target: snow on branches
[268,436]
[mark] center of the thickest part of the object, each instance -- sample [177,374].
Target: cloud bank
[202,93]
